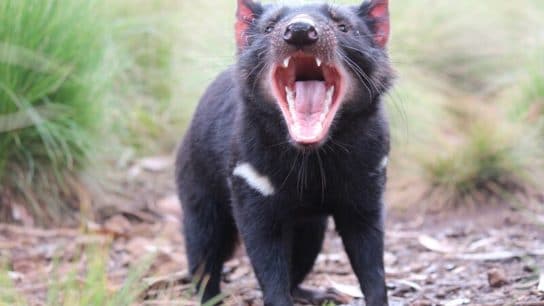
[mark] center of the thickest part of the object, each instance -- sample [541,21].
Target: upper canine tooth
[318,62]
[286,62]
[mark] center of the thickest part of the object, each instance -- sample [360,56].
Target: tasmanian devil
[293,133]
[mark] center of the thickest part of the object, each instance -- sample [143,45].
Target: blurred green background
[88,86]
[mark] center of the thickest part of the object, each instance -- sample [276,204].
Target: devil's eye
[342,27]
[269,29]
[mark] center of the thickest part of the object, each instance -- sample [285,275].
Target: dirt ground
[477,257]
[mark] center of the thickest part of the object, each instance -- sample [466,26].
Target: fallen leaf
[169,205]
[434,245]
[238,273]
[15,276]
[21,214]
[138,246]
[134,171]
[389,258]
[93,226]
[499,255]
[156,164]
[479,244]
[411,284]
[457,302]
[118,225]
[182,277]
[353,291]
[330,257]
[421,303]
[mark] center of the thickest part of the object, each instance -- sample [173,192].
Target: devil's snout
[301,32]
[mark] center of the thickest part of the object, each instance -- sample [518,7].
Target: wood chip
[496,278]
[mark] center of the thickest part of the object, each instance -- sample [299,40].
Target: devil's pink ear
[376,12]
[246,13]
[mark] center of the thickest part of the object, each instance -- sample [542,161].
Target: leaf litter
[479,258]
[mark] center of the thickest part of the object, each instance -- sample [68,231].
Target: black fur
[237,121]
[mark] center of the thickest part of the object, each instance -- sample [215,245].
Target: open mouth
[308,92]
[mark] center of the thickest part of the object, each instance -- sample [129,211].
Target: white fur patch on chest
[254,179]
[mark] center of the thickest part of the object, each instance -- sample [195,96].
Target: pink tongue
[309,106]
[310,99]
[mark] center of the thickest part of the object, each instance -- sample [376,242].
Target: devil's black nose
[300,34]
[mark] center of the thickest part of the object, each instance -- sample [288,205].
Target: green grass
[465,44]
[82,83]
[86,287]
[85,281]
[488,164]
[459,63]
[51,82]
[531,104]
[144,40]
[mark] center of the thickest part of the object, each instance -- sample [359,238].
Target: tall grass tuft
[492,162]
[143,37]
[466,45]
[51,81]
[531,106]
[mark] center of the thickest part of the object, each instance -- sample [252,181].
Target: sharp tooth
[328,99]
[320,126]
[297,129]
[323,116]
[286,62]
[290,95]
[318,62]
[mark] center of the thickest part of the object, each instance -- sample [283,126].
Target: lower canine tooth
[328,99]
[318,62]
[322,117]
[290,95]
[320,126]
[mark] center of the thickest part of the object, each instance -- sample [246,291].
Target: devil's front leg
[359,221]
[267,239]
[363,241]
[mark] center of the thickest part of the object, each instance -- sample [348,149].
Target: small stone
[496,278]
